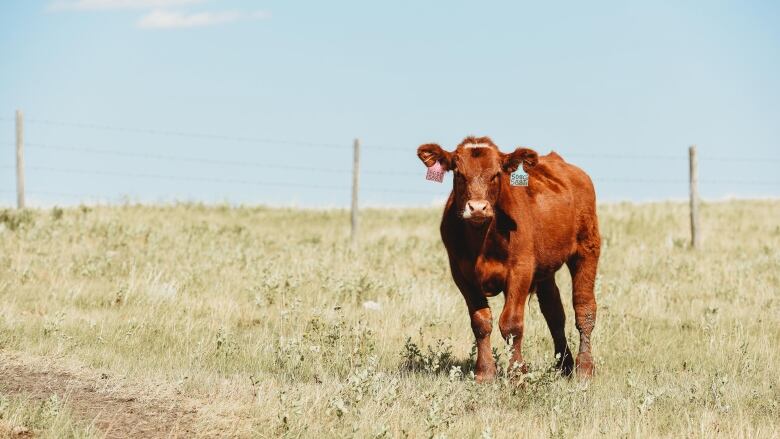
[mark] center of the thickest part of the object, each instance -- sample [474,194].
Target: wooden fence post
[694,194]
[19,159]
[355,181]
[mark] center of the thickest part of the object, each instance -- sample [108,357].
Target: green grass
[258,313]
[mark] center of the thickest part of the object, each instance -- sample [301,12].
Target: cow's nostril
[470,207]
[484,207]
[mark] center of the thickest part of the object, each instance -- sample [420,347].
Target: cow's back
[561,203]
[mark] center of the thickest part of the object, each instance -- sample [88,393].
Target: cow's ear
[430,153]
[521,156]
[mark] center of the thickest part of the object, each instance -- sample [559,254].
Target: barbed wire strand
[347,146]
[410,150]
[219,180]
[442,190]
[158,132]
[203,160]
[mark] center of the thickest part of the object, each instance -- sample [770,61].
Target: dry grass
[259,314]
[20,417]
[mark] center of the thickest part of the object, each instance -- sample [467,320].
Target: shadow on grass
[434,359]
[437,359]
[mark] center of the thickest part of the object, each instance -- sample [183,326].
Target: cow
[512,239]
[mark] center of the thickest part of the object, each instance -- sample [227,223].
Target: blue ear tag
[519,177]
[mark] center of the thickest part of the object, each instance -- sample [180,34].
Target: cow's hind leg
[550,303]
[583,274]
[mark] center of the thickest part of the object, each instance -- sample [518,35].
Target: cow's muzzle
[478,212]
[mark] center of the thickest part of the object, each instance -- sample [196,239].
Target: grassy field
[21,417]
[270,324]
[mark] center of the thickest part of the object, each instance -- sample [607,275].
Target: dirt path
[93,399]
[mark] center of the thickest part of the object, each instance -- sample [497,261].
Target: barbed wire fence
[21,145]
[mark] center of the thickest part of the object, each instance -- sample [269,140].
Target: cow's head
[481,173]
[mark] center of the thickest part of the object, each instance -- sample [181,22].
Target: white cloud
[162,19]
[91,5]
[158,14]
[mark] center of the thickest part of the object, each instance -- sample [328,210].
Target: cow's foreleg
[482,325]
[583,274]
[550,303]
[512,318]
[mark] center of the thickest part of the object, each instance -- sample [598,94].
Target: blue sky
[281,88]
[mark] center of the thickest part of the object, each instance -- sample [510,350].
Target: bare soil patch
[94,400]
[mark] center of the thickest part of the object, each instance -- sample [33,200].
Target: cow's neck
[490,240]
[476,236]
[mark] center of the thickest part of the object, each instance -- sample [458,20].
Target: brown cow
[514,238]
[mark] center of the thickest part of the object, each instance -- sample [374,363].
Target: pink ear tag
[435,172]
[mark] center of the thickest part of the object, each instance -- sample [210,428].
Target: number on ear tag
[518,178]
[435,173]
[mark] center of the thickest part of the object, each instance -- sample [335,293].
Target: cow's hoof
[485,376]
[585,367]
[566,366]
